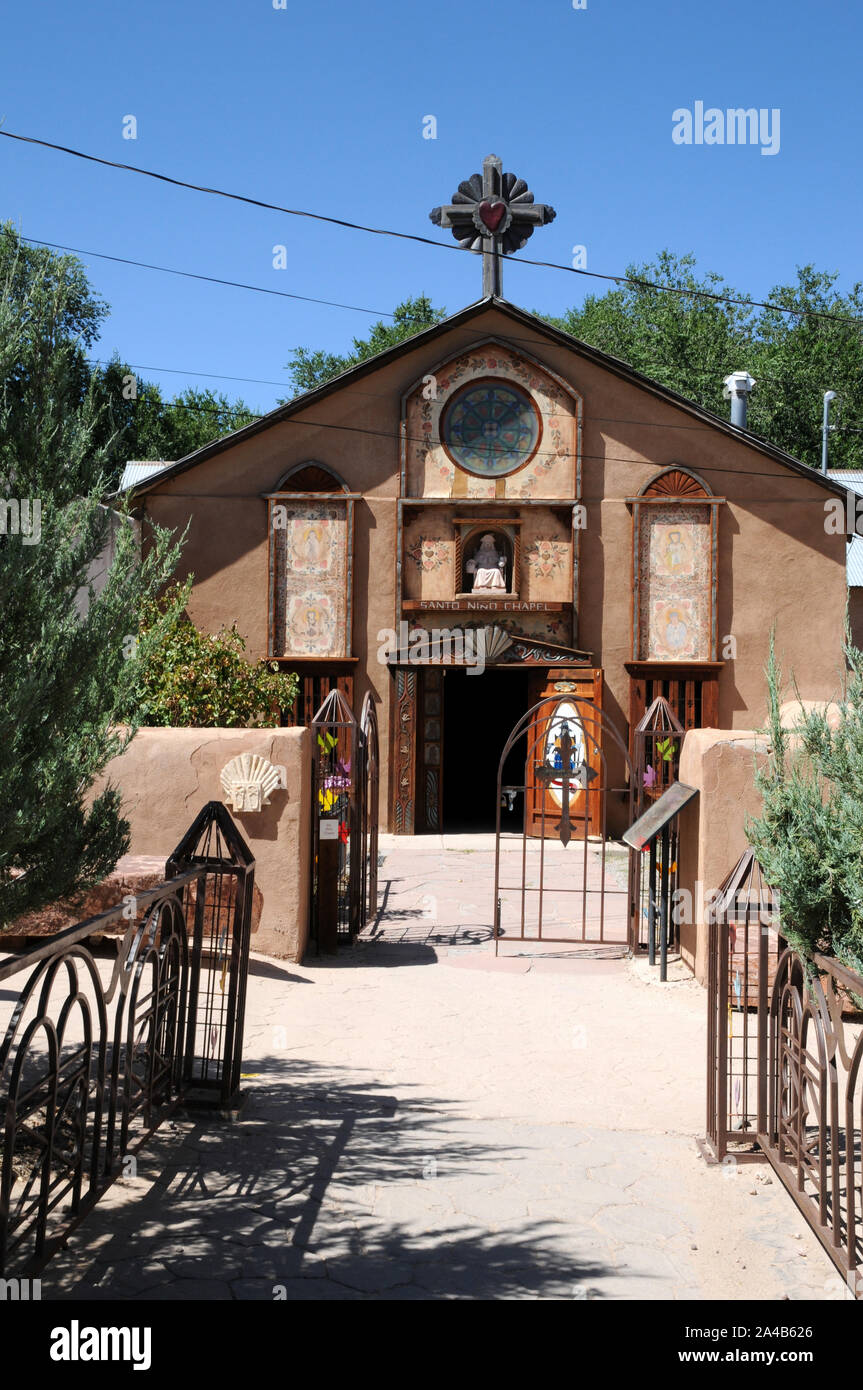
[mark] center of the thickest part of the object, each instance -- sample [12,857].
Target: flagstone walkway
[419,903]
[424,1121]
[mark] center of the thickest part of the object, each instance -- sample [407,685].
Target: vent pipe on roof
[738,385]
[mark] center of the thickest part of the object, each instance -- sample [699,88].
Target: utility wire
[260,289]
[181,371]
[212,279]
[548,453]
[422,240]
[381,395]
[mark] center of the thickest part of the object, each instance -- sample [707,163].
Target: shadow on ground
[321,1190]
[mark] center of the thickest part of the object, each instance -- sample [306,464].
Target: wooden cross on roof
[492,213]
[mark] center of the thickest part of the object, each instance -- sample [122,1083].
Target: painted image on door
[565,720]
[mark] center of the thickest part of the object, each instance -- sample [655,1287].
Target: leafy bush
[809,836]
[192,679]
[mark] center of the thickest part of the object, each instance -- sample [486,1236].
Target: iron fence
[565,792]
[654,875]
[97,1049]
[814,1100]
[370,809]
[656,743]
[785,1048]
[743,947]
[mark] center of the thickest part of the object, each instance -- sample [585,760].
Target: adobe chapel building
[610,540]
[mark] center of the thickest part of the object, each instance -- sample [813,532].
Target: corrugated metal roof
[137,470]
[849,477]
[852,478]
[854,562]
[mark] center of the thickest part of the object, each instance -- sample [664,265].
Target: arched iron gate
[345,761]
[565,789]
[370,793]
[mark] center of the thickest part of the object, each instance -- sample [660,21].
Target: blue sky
[321,106]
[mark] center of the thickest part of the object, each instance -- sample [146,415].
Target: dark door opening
[479,714]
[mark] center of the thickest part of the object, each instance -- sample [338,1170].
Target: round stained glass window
[490,428]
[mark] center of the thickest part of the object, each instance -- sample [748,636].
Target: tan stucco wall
[167,775]
[721,765]
[777,565]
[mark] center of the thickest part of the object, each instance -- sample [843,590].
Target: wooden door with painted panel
[572,688]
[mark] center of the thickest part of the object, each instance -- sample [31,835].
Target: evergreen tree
[67,652]
[809,836]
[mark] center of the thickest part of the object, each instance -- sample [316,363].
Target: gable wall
[775,557]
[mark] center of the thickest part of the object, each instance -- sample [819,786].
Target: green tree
[203,680]
[690,343]
[311,369]
[809,835]
[796,357]
[67,662]
[145,426]
[682,340]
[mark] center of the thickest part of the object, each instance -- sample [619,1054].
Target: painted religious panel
[674,583]
[310,541]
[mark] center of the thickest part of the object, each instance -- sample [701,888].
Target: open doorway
[479,713]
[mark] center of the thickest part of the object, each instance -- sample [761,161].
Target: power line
[549,453]
[252,418]
[212,279]
[422,240]
[192,275]
[550,502]
[182,371]
[250,415]
[382,395]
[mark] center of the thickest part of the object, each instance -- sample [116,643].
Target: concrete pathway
[424,1121]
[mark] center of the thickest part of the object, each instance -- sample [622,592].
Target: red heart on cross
[491,214]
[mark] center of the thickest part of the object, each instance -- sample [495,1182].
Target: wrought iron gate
[370,794]
[345,782]
[566,779]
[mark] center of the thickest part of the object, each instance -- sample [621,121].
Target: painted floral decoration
[428,554]
[546,556]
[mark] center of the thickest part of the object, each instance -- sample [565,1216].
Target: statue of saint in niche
[487,565]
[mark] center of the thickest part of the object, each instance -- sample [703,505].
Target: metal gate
[345,780]
[369,808]
[551,882]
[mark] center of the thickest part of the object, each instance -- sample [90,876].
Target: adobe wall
[721,764]
[774,553]
[167,775]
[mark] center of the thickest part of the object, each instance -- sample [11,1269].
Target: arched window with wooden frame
[311,542]
[674,651]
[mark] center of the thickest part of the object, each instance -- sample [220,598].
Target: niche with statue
[487,559]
